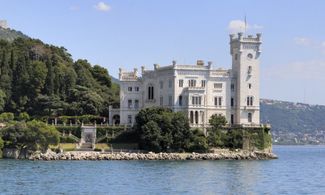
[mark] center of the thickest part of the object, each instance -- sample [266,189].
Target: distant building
[197,90]
[3,24]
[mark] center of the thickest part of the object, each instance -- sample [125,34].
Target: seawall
[224,155]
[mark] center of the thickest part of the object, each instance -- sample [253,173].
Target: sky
[129,34]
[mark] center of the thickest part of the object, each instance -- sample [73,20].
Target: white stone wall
[245,56]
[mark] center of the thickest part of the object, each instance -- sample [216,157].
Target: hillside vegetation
[43,80]
[10,35]
[292,117]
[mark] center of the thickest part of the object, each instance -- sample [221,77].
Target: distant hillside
[10,34]
[115,80]
[293,117]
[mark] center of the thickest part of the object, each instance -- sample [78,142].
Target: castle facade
[198,90]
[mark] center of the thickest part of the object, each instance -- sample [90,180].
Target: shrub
[6,117]
[125,137]
[30,136]
[67,139]
[24,116]
[101,131]
[199,142]
[75,130]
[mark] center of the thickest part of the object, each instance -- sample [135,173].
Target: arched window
[191,116]
[249,117]
[196,117]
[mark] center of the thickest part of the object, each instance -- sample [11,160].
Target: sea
[299,170]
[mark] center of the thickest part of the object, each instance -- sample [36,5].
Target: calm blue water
[299,170]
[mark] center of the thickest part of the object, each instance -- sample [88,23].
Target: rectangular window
[218,101]
[136,104]
[249,100]
[130,89]
[249,69]
[232,86]
[129,103]
[150,93]
[232,119]
[161,84]
[129,119]
[180,83]
[136,88]
[180,100]
[196,100]
[203,83]
[170,83]
[161,100]
[249,85]
[218,85]
[232,102]
[170,100]
[191,83]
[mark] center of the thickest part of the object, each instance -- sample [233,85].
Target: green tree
[6,117]
[24,116]
[2,100]
[30,136]
[101,75]
[216,136]
[199,142]
[151,136]
[169,130]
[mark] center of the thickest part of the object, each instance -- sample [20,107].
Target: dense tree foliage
[30,136]
[160,129]
[42,79]
[216,136]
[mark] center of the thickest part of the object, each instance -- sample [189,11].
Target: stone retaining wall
[225,155]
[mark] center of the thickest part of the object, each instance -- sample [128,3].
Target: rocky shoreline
[222,155]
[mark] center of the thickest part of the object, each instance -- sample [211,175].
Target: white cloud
[101,6]
[310,43]
[235,26]
[304,41]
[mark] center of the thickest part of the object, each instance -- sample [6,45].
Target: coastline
[221,155]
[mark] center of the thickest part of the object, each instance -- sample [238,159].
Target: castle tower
[245,51]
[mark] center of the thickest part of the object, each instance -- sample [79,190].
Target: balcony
[195,88]
[151,101]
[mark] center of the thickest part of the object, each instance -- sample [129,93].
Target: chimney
[200,62]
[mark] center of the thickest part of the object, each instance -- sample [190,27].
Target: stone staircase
[85,147]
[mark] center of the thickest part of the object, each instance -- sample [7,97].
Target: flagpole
[245,24]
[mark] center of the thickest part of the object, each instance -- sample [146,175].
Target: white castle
[197,90]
